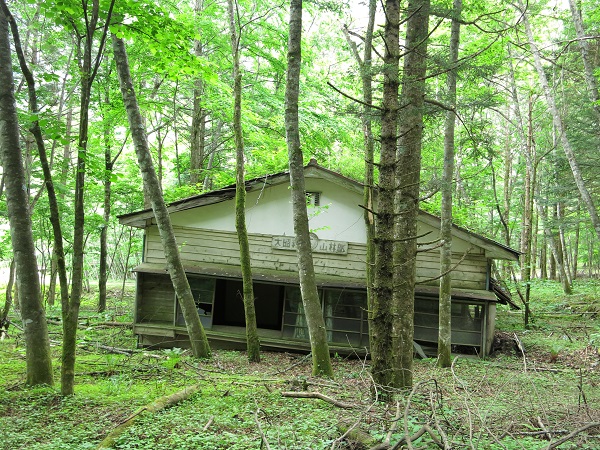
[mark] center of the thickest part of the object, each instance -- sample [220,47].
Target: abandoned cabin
[205,230]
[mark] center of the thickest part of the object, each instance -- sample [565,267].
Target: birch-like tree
[308,287]
[558,122]
[252,341]
[198,339]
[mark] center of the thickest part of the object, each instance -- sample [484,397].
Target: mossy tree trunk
[382,312]
[408,178]
[198,339]
[445,308]
[38,356]
[252,341]
[365,65]
[310,296]
[93,32]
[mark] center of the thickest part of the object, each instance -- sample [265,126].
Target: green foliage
[475,402]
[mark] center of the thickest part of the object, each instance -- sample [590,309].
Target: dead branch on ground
[572,435]
[318,395]
[151,408]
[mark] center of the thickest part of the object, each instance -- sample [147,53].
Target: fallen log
[85,326]
[112,324]
[571,435]
[317,395]
[109,349]
[151,408]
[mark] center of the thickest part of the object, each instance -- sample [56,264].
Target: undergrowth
[507,401]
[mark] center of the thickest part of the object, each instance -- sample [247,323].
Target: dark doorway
[229,305]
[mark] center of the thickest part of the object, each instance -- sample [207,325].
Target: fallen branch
[151,408]
[262,434]
[209,423]
[572,435]
[318,395]
[82,326]
[108,348]
[112,324]
[409,439]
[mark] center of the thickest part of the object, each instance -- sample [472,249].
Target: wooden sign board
[318,245]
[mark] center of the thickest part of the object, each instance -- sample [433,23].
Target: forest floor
[548,397]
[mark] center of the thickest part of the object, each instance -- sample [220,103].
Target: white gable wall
[269,211]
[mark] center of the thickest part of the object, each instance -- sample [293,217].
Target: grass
[507,401]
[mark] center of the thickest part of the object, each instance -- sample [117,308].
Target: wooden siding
[158,299]
[199,246]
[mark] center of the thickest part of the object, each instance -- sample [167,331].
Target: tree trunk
[198,340]
[216,136]
[408,175]
[8,297]
[553,244]
[560,210]
[70,308]
[527,218]
[108,167]
[64,172]
[383,329]
[445,308]
[198,131]
[588,63]
[543,259]
[38,356]
[558,123]
[308,287]
[365,65]
[252,341]
[576,243]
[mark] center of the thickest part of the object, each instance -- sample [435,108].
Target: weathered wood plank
[157,299]
[220,247]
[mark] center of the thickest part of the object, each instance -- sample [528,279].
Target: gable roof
[141,219]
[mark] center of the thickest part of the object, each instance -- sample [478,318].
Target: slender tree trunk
[308,287]
[252,341]
[527,218]
[38,356]
[129,242]
[198,340]
[408,175]
[534,247]
[64,172]
[590,256]
[560,210]
[70,309]
[365,65]
[383,313]
[554,247]
[108,166]
[543,259]
[8,298]
[575,256]
[198,131]
[445,312]
[71,305]
[558,123]
[588,63]
[214,145]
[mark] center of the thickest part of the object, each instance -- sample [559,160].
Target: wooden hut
[205,231]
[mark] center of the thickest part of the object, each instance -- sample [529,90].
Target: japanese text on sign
[318,245]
